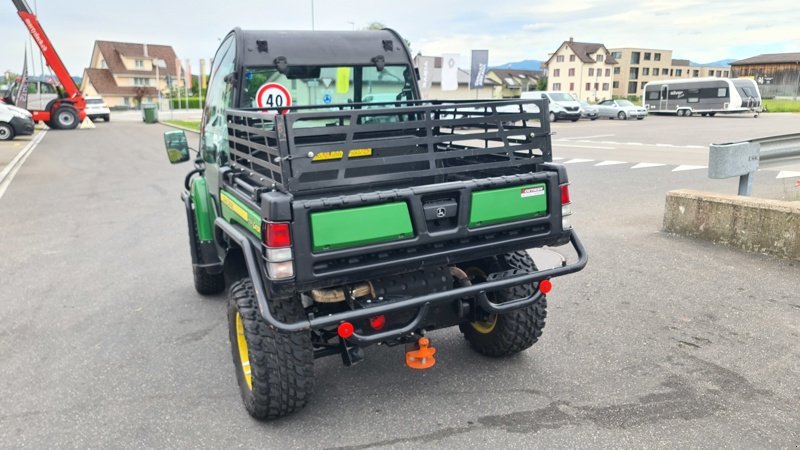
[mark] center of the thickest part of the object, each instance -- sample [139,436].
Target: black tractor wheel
[6,132]
[500,335]
[65,118]
[275,370]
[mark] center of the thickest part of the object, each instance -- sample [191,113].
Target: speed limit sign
[273,95]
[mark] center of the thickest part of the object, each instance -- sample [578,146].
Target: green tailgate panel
[508,204]
[344,228]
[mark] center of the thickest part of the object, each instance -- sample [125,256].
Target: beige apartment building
[584,69]
[639,66]
[125,74]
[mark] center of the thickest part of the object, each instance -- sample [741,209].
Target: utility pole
[312,15]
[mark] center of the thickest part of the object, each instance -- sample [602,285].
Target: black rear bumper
[22,127]
[422,303]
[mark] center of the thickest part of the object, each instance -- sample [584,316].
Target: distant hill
[527,64]
[721,62]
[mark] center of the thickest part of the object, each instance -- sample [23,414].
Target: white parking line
[788,174]
[587,137]
[610,163]
[578,160]
[688,167]
[647,165]
[10,171]
[560,144]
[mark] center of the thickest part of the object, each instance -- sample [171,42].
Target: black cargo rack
[339,147]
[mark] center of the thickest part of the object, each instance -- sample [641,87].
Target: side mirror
[177,146]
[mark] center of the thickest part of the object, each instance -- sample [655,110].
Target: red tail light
[345,330]
[565,194]
[545,286]
[377,322]
[277,235]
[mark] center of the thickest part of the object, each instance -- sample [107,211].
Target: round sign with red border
[273,95]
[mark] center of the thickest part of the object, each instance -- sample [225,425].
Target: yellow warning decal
[327,156]
[359,152]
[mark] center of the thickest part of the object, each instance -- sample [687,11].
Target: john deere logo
[441,212]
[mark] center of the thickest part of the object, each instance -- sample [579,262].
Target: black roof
[320,47]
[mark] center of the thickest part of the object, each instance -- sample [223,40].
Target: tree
[374,26]
[541,84]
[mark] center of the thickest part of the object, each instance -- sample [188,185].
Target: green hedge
[194,103]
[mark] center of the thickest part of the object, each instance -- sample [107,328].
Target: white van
[562,104]
[14,122]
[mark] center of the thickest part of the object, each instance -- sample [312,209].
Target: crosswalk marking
[647,165]
[688,167]
[610,163]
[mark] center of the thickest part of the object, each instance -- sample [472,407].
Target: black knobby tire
[208,283]
[6,132]
[515,331]
[281,364]
[65,118]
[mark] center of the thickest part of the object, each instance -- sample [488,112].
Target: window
[678,72]
[560,58]
[608,72]
[588,86]
[615,84]
[556,72]
[642,84]
[670,72]
[653,95]
[635,57]
[646,71]
[647,56]
[571,58]
[719,73]
[616,55]
[722,92]
[591,72]
[655,71]
[695,73]
[139,64]
[47,88]
[632,87]
[556,86]
[214,140]
[572,72]
[605,86]
[126,101]
[634,73]
[725,74]
[103,64]
[657,57]
[600,58]
[616,70]
[141,81]
[572,86]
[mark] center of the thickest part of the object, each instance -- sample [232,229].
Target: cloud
[539,26]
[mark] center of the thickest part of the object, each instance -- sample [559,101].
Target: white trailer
[703,96]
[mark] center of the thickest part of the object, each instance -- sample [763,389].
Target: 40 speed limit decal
[273,95]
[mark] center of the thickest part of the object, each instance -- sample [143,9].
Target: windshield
[624,103]
[94,101]
[265,87]
[561,97]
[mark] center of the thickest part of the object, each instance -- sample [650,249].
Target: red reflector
[277,235]
[565,194]
[545,286]
[345,330]
[377,322]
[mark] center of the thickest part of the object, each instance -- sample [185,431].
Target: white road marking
[558,158]
[584,146]
[566,140]
[10,171]
[664,145]
[610,163]
[788,174]
[587,137]
[688,167]
[646,165]
[695,146]
[578,160]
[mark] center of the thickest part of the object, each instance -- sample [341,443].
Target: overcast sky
[700,30]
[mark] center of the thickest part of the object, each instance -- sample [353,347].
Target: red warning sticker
[532,191]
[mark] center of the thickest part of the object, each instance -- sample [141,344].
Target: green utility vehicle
[340,210]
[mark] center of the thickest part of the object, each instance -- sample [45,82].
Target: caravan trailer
[704,96]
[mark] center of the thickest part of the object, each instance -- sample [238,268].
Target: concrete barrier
[751,224]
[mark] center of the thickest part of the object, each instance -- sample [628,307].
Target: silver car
[588,111]
[620,109]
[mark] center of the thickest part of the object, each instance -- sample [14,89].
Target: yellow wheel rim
[485,326]
[244,354]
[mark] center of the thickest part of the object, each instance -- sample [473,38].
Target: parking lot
[660,340]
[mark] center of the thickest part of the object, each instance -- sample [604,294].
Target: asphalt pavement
[661,342]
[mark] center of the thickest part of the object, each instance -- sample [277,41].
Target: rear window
[94,101]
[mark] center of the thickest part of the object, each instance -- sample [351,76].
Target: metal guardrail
[741,159]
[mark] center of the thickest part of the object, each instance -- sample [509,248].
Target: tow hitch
[420,355]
